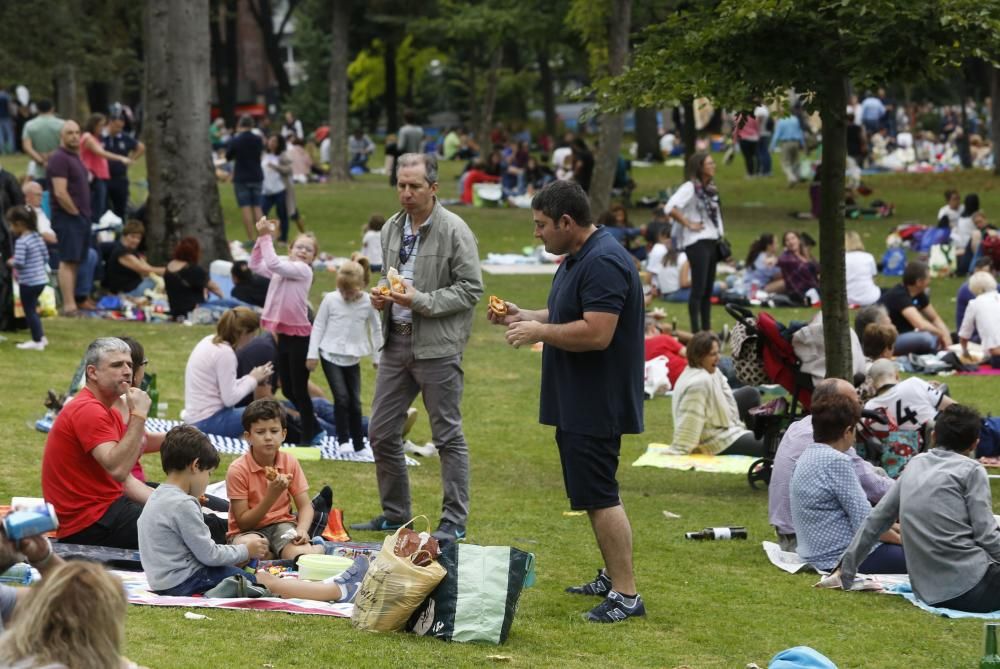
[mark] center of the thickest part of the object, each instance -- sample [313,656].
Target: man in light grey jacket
[426,327]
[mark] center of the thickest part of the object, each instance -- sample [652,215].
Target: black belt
[401,328]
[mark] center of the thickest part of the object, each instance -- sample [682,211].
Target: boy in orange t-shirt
[263,483]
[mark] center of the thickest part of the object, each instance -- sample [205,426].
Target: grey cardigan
[448,279]
[945,513]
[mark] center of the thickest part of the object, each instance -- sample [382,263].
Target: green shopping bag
[478,597]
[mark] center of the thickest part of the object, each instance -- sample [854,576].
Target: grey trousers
[441,380]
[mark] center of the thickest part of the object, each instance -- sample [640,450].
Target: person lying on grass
[263,483]
[175,546]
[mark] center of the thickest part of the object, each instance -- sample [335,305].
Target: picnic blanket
[138,593]
[327,451]
[904,590]
[657,455]
[984,370]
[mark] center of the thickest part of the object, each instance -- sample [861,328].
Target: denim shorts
[248,194]
[204,579]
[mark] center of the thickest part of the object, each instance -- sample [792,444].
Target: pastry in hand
[395,281]
[498,306]
[270,473]
[385,290]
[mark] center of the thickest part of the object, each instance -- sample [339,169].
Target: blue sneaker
[377,524]
[448,532]
[614,609]
[600,586]
[350,579]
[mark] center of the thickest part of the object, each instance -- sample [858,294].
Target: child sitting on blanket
[263,483]
[175,545]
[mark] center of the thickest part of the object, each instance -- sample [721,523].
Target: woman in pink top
[95,158]
[747,133]
[286,313]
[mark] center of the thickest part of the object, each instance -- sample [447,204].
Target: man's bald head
[69,136]
[830,387]
[32,193]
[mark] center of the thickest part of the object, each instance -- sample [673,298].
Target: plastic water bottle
[19,574]
[718,534]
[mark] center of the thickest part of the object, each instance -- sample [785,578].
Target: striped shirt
[31,258]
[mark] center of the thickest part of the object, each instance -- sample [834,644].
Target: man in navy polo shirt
[592,376]
[245,150]
[118,141]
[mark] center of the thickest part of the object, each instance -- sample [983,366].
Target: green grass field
[710,604]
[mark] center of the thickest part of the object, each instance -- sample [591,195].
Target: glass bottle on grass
[718,534]
[991,660]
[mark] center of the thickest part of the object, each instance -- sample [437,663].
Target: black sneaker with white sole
[615,609]
[378,524]
[600,586]
[448,532]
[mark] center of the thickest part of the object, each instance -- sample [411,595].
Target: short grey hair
[101,347]
[868,315]
[428,160]
[883,371]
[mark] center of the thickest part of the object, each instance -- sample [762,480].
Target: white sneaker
[411,420]
[427,450]
[45,340]
[32,345]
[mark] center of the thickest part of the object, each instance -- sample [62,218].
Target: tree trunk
[964,154]
[647,134]
[490,94]
[548,90]
[183,194]
[224,55]
[995,118]
[263,13]
[66,91]
[391,94]
[689,132]
[833,272]
[612,125]
[338,90]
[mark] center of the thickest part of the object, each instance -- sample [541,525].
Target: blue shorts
[204,579]
[74,236]
[589,466]
[248,194]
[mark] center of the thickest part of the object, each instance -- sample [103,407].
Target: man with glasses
[425,329]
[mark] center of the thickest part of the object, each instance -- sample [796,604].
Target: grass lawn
[710,604]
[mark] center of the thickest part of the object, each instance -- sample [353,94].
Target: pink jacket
[286,307]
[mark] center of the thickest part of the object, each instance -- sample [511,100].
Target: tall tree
[224,55]
[338,90]
[183,194]
[615,20]
[812,46]
[272,36]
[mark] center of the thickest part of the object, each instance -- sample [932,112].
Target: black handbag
[723,249]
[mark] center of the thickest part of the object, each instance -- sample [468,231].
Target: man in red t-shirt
[90,452]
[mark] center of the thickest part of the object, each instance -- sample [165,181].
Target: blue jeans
[225,423]
[204,579]
[679,295]
[98,198]
[140,290]
[916,342]
[764,155]
[7,135]
[280,201]
[885,559]
[29,300]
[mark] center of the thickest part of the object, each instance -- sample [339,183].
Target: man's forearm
[576,337]
[66,202]
[128,449]
[539,315]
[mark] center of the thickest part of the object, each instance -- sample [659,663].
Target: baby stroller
[761,355]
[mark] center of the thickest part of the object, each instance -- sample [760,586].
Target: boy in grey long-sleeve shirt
[945,511]
[175,546]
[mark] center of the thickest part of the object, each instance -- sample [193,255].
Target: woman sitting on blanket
[944,506]
[211,389]
[708,415]
[827,502]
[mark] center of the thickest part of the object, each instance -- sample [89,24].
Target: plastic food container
[320,567]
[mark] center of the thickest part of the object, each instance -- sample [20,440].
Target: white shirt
[273,181]
[399,313]
[344,332]
[668,277]
[559,156]
[655,257]
[667,143]
[371,246]
[324,151]
[909,403]
[762,113]
[961,235]
[983,315]
[861,288]
[44,224]
[686,200]
[952,214]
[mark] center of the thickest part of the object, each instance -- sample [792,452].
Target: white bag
[657,377]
